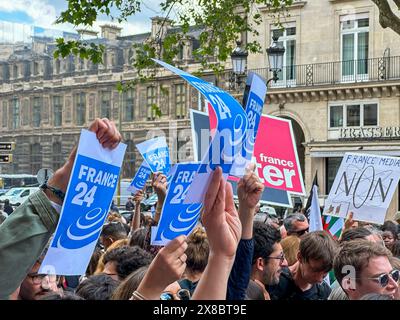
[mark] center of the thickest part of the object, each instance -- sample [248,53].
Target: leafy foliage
[221,22]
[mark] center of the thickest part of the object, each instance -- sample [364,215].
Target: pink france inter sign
[276,155]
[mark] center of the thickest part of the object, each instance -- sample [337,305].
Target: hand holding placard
[107,134]
[92,182]
[160,186]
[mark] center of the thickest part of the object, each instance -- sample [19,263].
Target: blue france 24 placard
[87,202]
[158,160]
[230,118]
[139,181]
[253,111]
[178,218]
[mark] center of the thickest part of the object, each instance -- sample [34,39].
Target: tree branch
[386,16]
[397,2]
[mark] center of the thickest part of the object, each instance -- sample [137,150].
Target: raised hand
[220,217]
[349,222]
[250,190]
[166,268]
[108,136]
[224,229]
[160,185]
[106,132]
[138,197]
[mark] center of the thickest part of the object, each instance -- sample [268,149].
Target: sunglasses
[183,294]
[383,279]
[300,232]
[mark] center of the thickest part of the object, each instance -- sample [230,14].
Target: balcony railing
[335,73]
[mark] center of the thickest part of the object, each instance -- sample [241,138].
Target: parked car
[146,204]
[18,195]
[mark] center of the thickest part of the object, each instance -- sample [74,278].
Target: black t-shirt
[287,289]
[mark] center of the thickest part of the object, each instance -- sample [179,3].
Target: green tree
[221,22]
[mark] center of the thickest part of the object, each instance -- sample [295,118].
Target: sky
[43,13]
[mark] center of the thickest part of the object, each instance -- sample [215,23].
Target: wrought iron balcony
[335,73]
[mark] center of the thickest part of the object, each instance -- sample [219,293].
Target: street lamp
[239,64]
[275,56]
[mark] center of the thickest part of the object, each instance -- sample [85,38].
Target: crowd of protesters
[229,255]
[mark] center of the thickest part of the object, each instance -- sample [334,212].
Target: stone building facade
[45,102]
[340,86]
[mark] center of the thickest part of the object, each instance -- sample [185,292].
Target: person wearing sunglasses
[181,294]
[296,224]
[363,267]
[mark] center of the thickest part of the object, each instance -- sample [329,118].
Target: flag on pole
[312,208]
[333,225]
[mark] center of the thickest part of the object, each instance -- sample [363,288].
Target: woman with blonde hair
[290,246]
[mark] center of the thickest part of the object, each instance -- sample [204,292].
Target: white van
[16,196]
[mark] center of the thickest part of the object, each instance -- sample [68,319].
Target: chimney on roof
[158,23]
[110,32]
[87,34]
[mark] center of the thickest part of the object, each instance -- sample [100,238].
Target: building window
[151,102]
[105,105]
[4,115]
[130,56]
[37,109]
[58,66]
[35,68]
[332,167]
[128,169]
[57,156]
[180,100]
[57,109]
[355,38]
[81,64]
[15,113]
[287,38]
[80,103]
[129,103]
[336,116]
[180,52]
[15,71]
[353,115]
[36,157]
